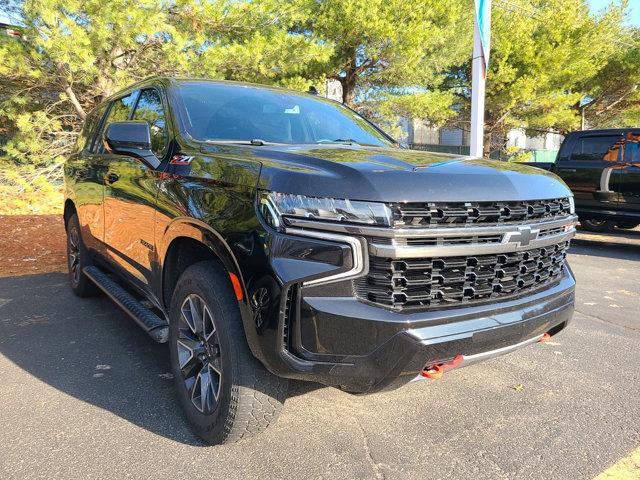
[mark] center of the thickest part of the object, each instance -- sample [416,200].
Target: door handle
[112,178]
[568,170]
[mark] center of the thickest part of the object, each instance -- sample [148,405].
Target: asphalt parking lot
[85,394]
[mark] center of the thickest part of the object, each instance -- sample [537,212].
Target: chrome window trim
[360,260]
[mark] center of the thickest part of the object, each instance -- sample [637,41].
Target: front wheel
[225,392]
[594,225]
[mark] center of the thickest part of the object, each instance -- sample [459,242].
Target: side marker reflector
[237,288]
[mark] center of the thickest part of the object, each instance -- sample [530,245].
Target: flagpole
[479,77]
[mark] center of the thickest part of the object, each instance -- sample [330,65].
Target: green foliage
[387,43]
[614,93]
[516,154]
[388,109]
[434,106]
[546,56]
[394,58]
[27,190]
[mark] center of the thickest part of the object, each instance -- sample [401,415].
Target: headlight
[278,205]
[572,205]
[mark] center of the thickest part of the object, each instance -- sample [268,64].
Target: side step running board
[156,327]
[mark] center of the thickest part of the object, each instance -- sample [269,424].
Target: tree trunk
[350,78]
[486,148]
[349,89]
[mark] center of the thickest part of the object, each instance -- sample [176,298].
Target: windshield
[227,112]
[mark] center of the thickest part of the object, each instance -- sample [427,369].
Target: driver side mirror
[132,139]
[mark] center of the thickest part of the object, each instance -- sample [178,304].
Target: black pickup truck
[269,235]
[602,168]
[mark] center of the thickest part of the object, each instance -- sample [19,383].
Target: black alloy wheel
[225,392]
[73,255]
[77,259]
[595,225]
[199,354]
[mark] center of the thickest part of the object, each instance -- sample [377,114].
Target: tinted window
[238,112]
[85,139]
[119,112]
[150,109]
[598,149]
[632,148]
[121,108]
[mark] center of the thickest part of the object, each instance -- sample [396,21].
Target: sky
[634,5]
[634,9]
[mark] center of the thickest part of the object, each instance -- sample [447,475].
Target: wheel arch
[69,209]
[189,241]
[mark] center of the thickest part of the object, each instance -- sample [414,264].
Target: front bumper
[390,349]
[321,332]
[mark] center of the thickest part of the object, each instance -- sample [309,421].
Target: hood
[397,175]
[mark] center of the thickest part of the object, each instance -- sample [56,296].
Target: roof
[177,80]
[603,131]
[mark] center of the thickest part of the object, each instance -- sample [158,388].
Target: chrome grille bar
[458,231]
[509,243]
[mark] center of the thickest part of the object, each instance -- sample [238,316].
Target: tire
[241,398]
[593,225]
[77,259]
[630,225]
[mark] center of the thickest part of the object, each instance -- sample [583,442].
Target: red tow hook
[436,371]
[544,338]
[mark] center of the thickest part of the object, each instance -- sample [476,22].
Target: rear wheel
[594,225]
[77,259]
[627,225]
[225,392]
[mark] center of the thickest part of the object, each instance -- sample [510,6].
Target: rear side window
[150,109]
[119,112]
[605,148]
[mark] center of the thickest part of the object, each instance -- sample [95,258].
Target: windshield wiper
[254,141]
[348,141]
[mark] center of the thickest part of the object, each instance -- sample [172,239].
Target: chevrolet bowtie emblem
[523,237]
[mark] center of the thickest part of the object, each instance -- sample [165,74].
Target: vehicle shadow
[91,350]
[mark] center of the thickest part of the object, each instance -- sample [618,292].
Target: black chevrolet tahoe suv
[602,168]
[269,235]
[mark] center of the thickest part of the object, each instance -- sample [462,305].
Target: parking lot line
[628,468]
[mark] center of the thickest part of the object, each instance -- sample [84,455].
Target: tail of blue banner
[483,20]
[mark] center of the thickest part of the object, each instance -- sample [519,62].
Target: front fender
[201,232]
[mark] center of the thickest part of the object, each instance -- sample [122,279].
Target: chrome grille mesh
[428,282]
[443,214]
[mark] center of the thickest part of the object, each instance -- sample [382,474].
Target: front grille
[416,283]
[427,214]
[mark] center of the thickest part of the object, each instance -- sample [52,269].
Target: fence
[536,155]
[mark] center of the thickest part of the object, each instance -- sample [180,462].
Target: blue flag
[483,19]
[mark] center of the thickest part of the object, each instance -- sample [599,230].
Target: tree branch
[613,104]
[74,101]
